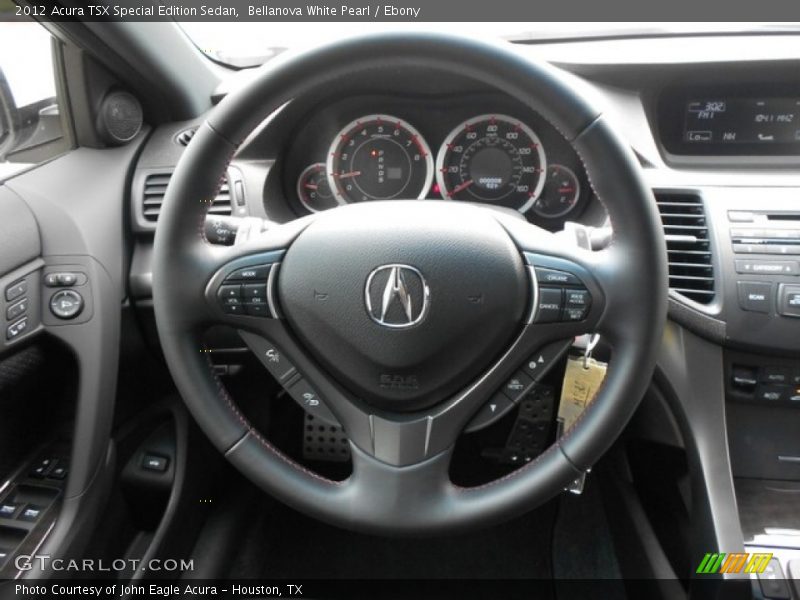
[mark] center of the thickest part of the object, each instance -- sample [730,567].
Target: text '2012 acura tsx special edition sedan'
[404,305]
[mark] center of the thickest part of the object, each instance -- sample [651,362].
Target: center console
[737,148]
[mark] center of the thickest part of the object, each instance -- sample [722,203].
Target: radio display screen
[730,121]
[742,120]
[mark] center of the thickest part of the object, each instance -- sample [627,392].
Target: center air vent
[155,186]
[691,272]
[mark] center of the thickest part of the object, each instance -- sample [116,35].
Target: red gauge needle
[458,188]
[350,174]
[311,186]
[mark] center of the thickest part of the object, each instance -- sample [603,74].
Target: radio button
[755,296]
[789,300]
[781,249]
[739,216]
[768,267]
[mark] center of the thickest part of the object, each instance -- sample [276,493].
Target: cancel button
[755,296]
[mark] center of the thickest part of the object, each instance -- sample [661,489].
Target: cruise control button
[755,296]
[517,386]
[550,276]
[66,304]
[577,298]
[257,273]
[15,290]
[575,314]
[550,302]
[490,412]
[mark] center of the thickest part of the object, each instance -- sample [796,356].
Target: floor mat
[283,543]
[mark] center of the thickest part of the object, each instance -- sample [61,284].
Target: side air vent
[691,272]
[155,186]
[185,136]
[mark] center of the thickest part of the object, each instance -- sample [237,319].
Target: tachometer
[379,157]
[492,158]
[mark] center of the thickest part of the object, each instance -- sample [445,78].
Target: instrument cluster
[511,158]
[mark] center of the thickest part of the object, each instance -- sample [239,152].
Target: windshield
[251,44]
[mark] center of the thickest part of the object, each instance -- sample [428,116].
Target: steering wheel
[405,318]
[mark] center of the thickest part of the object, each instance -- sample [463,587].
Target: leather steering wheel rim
[416,496]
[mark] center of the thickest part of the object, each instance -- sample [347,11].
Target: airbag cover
[353,288]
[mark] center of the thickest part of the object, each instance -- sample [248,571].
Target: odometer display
[492,158]
[379,157]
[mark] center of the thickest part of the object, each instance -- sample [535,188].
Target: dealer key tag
[582,379]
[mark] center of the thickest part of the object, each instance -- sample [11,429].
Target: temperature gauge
[562,189]
[313,189]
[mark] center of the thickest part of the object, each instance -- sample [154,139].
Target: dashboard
[714,124]
[718,142]
[467,148]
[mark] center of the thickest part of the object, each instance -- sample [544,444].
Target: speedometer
[379,157]
[492,158]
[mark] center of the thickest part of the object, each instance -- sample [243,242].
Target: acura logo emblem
[397,296]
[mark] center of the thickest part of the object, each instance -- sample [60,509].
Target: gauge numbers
[492,158]
[379,157]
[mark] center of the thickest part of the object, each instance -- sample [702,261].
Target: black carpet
[283,543]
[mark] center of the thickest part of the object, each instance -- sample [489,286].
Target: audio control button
[755,296]
[789,300]
[768,267]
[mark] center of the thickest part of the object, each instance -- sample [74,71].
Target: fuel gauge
[313,189]
[561,193]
